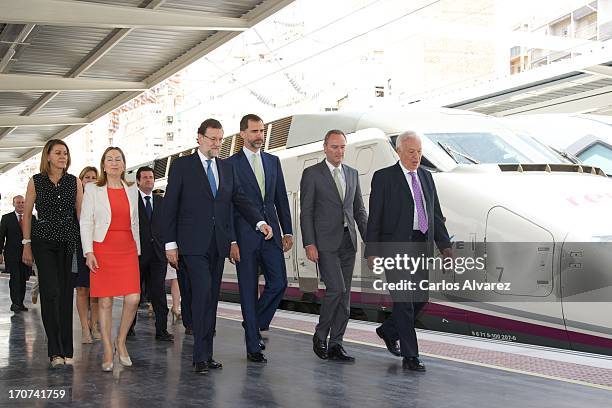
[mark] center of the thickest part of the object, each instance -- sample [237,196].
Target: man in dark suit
[11,250]
[152,261]
[197,226]
[262,179]
[331,205]
[405,215]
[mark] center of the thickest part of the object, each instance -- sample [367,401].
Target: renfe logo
[592,198]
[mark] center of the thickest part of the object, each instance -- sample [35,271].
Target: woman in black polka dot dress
[52,240]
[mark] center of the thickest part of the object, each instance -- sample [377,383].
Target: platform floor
[461,372]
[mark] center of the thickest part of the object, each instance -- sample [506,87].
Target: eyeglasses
[214,140]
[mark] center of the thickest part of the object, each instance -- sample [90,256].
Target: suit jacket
[275,205]
[96,215]
[10,237]
[151,242]
[191,212]
[392,211]
[322,212]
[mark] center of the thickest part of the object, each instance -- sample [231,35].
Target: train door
[291,255]
[307,271]
[586,289]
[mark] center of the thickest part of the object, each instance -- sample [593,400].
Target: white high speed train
[542,223]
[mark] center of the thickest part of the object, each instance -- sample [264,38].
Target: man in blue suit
[197,224]
[261,176]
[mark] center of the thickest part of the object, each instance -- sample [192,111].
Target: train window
[310,162]
[424,160]
[598,154]
[363,162]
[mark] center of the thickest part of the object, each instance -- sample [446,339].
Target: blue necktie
[148,208]
[211,178]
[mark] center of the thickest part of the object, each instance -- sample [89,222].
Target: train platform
[461,371]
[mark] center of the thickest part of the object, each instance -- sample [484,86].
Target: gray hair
[405,135]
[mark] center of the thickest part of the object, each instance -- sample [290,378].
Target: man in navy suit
[197,225]
[261,177]
[152,260]
[405,215]
[12,248]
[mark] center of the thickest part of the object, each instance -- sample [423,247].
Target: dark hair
[144,168]
[209,123]
[333,132]
[244,122]
[44,158]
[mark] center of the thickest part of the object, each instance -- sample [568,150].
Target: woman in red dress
[111,244]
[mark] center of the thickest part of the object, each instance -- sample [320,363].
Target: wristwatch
[25,241]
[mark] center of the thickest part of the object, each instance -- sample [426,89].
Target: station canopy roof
[66,63]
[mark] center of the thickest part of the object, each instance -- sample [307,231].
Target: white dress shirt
[213,165]
[341,175]
[342,180]
[250,156]
[415,222]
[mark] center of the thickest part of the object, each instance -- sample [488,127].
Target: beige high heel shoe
[125,361]
[107,367]
[176,315]
[86,337]
[95,333]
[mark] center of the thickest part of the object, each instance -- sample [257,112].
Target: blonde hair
[86,170]
[44,158]
[102,179]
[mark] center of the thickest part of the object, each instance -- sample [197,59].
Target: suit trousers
[336,268]
[54,263]
[19,275]
[153,273]
[258,313]
[203,274]
[406,306]
[185,290]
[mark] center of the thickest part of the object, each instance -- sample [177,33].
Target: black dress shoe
[131,333]
[15,308]
[413,364]
[319,347]
[214,365]
[189,330]
[23,308]
[262,345]
[164,336]
[200,368]
[391,345]
[257,357]
[337,352]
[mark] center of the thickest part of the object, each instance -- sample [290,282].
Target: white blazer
[96,215]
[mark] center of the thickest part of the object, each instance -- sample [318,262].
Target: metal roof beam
[82,14]
[40,83]
[16,120]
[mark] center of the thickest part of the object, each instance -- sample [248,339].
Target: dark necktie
[20,219]
[148,208]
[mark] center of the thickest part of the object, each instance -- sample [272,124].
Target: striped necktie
[418,203]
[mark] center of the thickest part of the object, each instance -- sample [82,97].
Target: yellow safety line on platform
[458,360]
